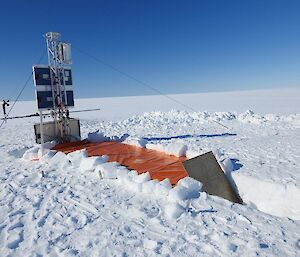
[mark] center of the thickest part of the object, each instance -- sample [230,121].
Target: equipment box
[50,133]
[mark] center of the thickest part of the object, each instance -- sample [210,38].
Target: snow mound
[176,149]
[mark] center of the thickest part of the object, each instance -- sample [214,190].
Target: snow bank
[35,153]
[270,197]
[149,187]
[60,160]
[163,188]
[77,156]
[227,165]
[172,148]
[142,178]
[192,154]
[135,141]
[48,155]
[31,153]
[107,170]
[186,188]
[98,137]
[89,163]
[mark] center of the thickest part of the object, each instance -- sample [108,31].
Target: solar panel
[43,84]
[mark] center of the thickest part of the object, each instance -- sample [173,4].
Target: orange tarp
[158,164]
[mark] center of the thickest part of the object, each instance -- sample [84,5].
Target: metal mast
[57,75]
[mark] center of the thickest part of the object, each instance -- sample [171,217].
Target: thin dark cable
[143,83]
[23,88]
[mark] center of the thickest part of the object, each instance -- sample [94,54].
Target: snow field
[74,213]
[256,149]
[268,196]
[67,212]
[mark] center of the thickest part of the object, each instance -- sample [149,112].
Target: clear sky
[175,46]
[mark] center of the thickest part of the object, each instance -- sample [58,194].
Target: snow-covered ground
[73,212]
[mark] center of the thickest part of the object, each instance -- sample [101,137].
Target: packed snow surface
[74,205]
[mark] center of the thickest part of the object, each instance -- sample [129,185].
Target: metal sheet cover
[206,169]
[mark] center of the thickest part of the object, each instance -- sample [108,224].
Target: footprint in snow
[42,220]
[151,212]
[17,225]
[15,235]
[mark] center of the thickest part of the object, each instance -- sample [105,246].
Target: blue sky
[174,46]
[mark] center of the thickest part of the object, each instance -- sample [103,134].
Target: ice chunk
[35,152]
[162,188]
[136,187]
[191,184]
[186,188]
[122,175]
[136,141]
[173,148]
[127,179]
[227,165]
[173,210]
[89,164]
[149,244]
[144,177]
[31,153]
[178,193]
[149,186]
[49,145]
[192,154]
[107,170]
[77,156]
[219,154]
[132,174]
[48,155]
[97,137]
[176,149]
[166,183]
[59,159]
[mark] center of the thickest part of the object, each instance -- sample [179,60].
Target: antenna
[59,55]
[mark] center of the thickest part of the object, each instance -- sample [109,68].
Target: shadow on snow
[189,136]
